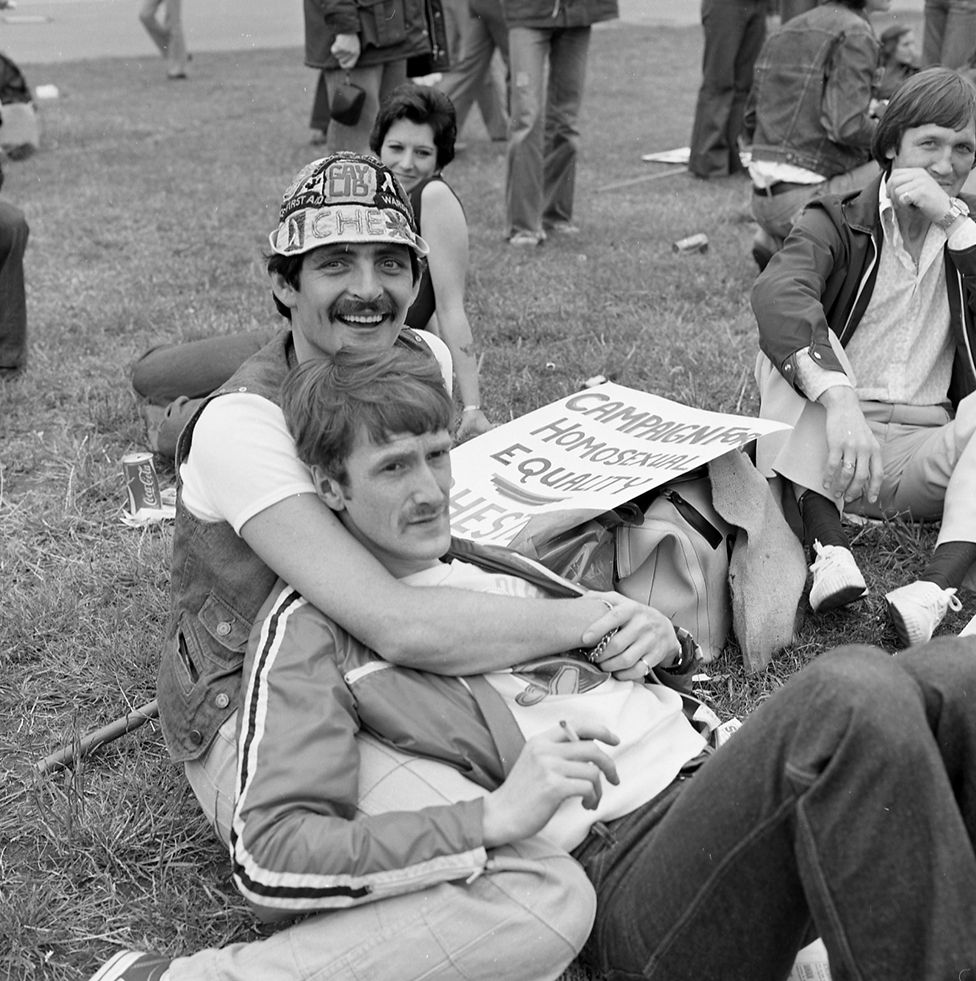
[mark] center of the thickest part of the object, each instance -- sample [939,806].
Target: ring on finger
[647,667]
[848,466]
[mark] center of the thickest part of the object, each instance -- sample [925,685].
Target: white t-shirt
[656,739]
[242,459]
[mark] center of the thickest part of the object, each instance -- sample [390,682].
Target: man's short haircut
[420,104]
[328,402]
[934,97]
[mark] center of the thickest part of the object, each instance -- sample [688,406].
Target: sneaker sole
[901,629]
[843,597]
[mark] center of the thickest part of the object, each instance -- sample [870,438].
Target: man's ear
[328,488]
[283,290]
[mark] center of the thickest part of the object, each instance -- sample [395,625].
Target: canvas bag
[676,559]
[668,548]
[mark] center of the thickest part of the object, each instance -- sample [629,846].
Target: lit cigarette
[570,731]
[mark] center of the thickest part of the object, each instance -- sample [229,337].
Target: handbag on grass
[676,559]
[668,548]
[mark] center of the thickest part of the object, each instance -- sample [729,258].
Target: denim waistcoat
[786,105]
[217,587]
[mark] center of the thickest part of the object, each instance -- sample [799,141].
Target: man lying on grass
[844,807]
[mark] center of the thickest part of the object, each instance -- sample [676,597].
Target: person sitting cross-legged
[867,324]
[788,830]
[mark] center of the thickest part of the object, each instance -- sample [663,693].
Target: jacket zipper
[860,288]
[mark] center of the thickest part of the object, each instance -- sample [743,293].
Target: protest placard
[581,455]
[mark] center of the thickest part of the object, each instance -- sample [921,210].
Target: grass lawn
[149,206]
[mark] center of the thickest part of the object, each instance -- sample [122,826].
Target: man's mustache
[383,306]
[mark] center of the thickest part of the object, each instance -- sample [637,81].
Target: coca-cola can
[693,243]
[141,482]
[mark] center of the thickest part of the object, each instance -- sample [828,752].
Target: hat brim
[311,228]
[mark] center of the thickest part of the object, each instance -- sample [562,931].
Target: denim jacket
[217,587]
[811,92]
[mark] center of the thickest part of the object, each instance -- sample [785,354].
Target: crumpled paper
[152,516]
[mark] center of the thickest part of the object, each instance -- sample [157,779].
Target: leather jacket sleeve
[787,296]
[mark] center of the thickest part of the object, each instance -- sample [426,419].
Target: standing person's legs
[158,33]
[753,36]
[319,120]
[958,34]
[470,73]
[933,31]
[724,25]
[377,81]
[567,78]
[846,804]
[528,49]
[176,47]
[13,299]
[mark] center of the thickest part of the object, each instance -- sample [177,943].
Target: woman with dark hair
[898,59]
[414,134]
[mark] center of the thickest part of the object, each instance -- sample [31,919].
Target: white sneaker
[918,608]
[837,580]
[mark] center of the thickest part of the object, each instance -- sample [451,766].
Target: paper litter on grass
[152,516]
[682,154]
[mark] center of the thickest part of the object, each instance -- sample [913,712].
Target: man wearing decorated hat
[344,264]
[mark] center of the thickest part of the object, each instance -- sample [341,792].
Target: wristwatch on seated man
[957,210]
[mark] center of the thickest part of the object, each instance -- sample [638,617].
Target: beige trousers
[929,457]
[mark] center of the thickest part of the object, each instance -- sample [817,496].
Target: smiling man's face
[945,154]
[353,295]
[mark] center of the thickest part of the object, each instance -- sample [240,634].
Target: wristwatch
[956,210]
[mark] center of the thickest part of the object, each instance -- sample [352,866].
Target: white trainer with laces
[837,580]
[918,608]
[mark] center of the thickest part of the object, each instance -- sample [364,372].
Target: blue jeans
[543,138]
[734,33]
[845,807]
[13,300]
[949,36]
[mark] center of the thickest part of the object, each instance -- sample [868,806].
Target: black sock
[821,522]
[949,564]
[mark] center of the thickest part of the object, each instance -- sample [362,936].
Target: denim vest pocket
[224,624]
[383,22]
